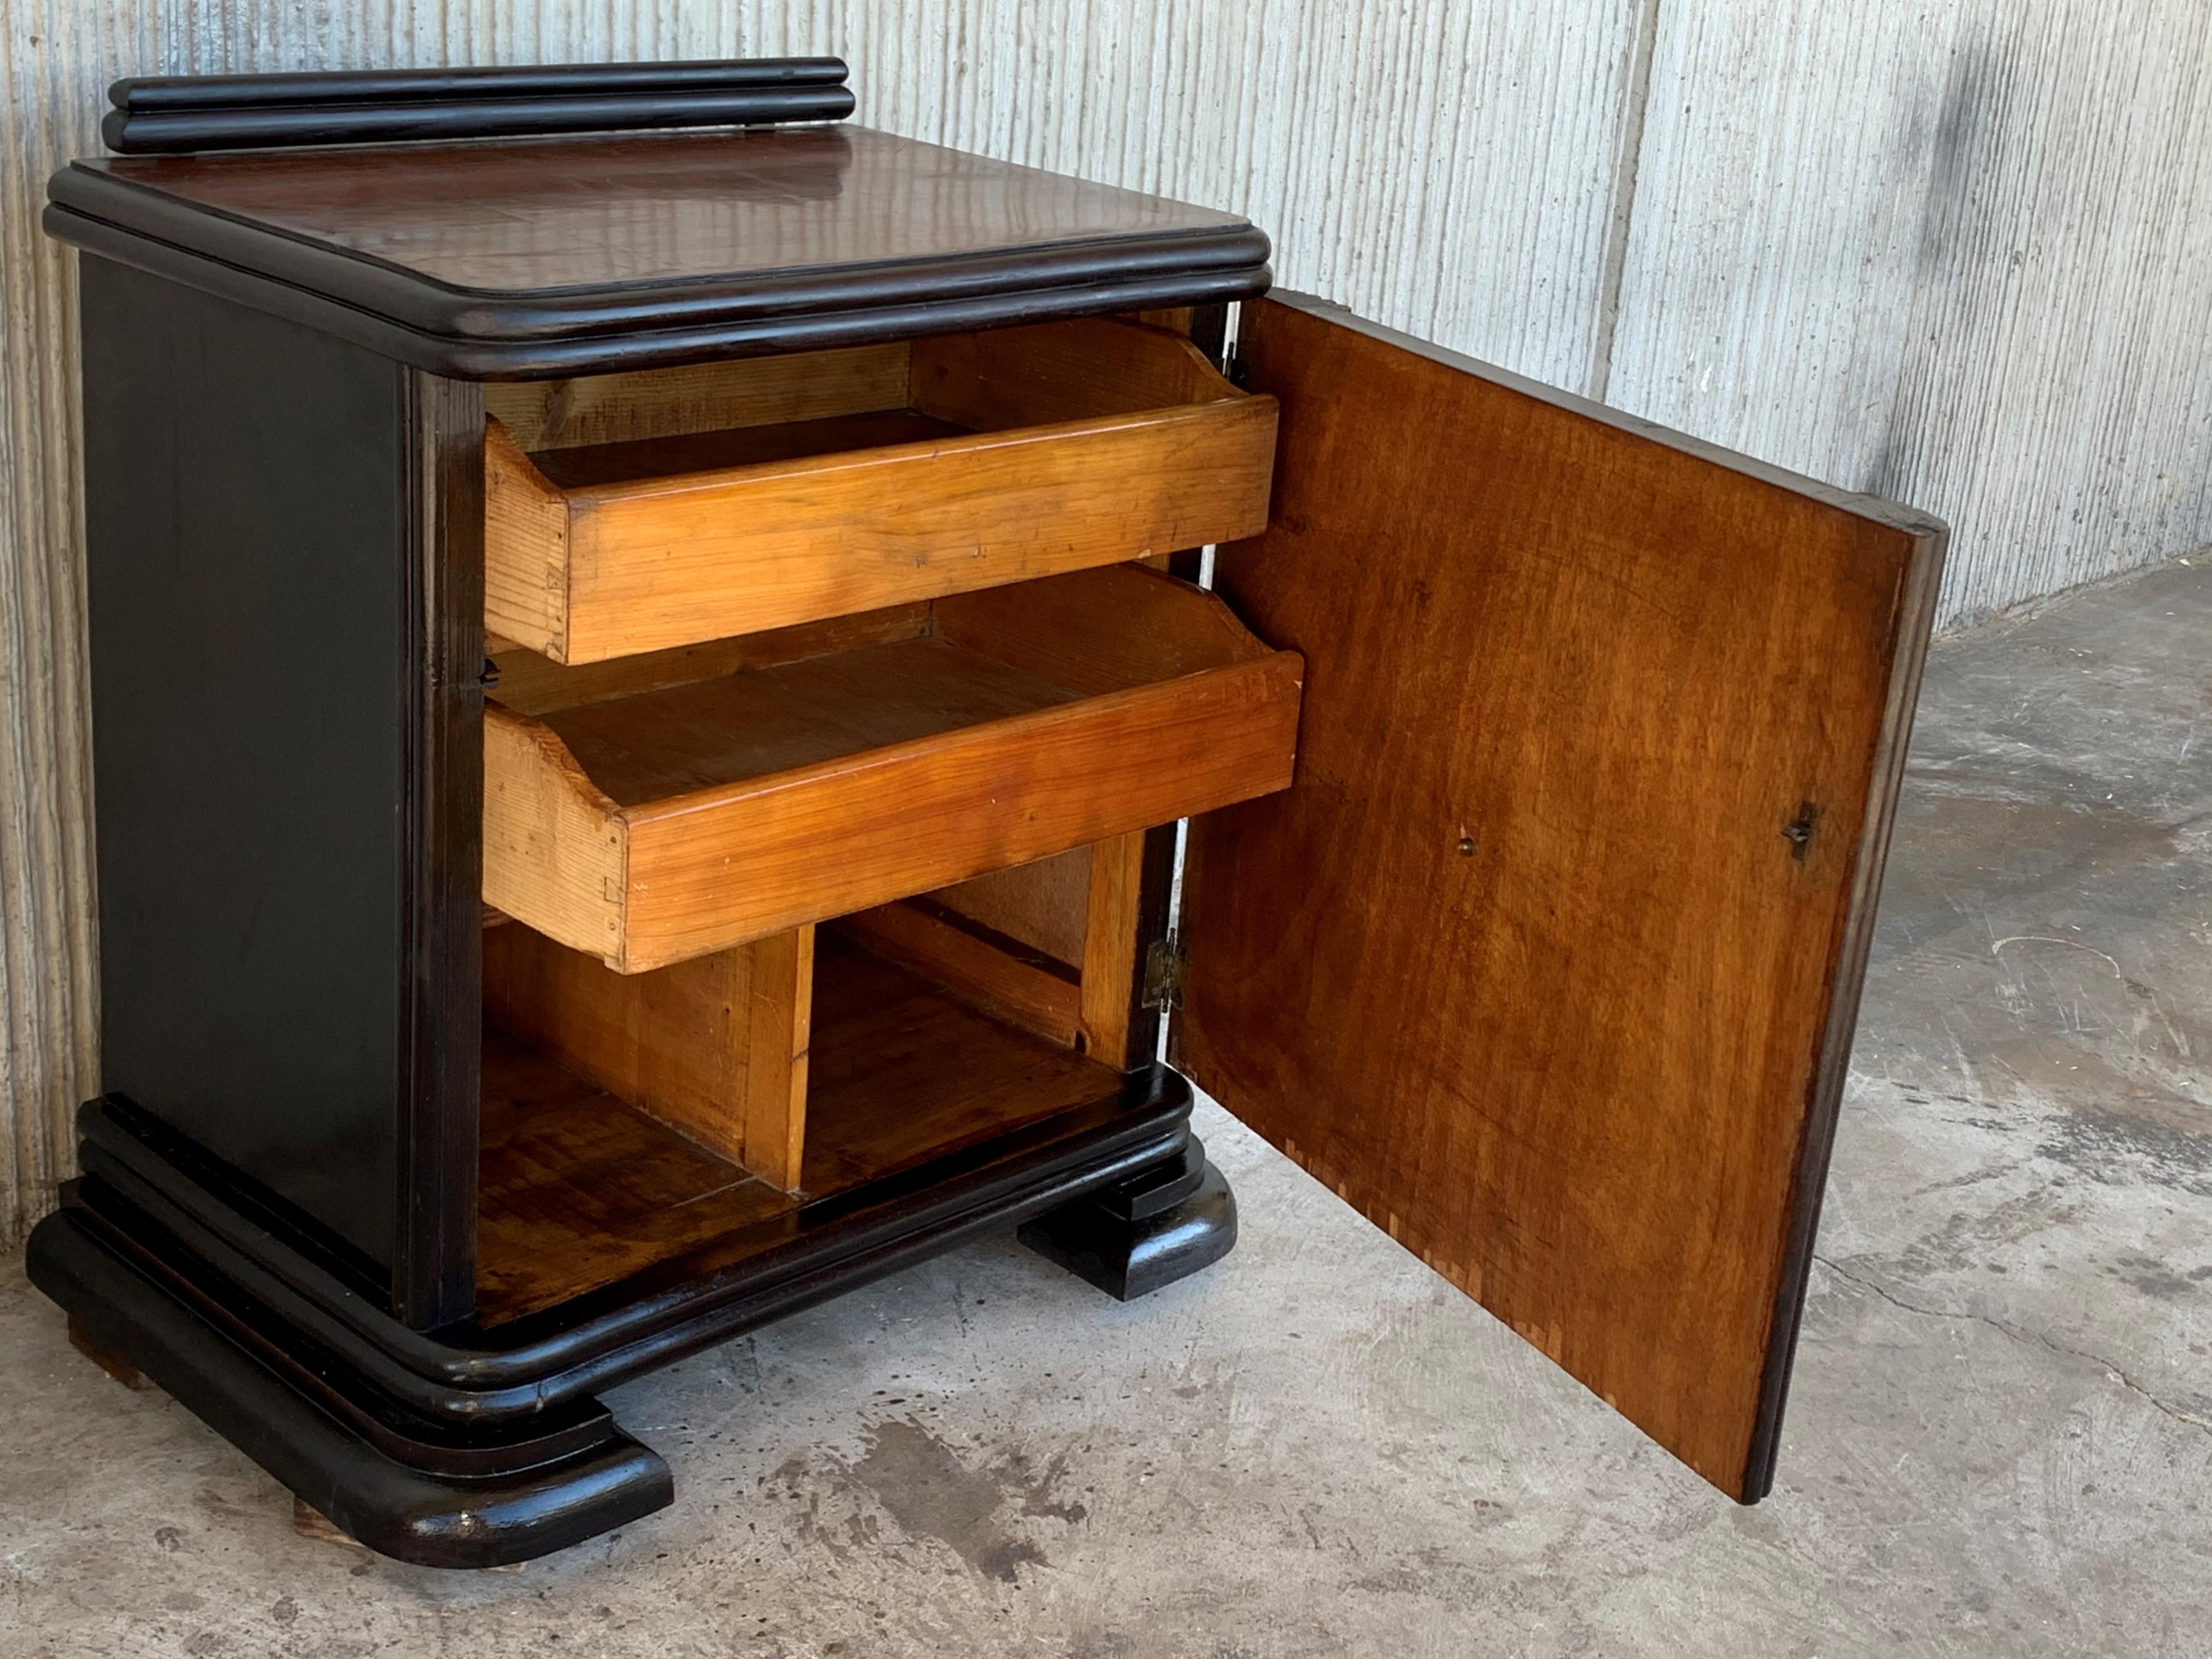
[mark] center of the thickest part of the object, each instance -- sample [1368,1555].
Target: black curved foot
[452,1448]
[597,1477]
[1157,1226]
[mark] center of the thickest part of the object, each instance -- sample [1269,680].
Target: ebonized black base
[407,1512]
[1131,1239]
[470,1447]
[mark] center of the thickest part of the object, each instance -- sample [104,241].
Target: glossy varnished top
[525,216]
[520,257]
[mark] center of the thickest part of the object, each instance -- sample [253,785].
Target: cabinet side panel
[246,485]
[433,1269]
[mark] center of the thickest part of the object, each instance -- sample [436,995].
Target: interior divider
[716,1047]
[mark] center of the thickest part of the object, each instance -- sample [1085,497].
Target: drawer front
[1012,726]
[926,815]
[1030,463]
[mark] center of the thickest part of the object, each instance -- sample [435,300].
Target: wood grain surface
[531,214]
[579,1190]
[715,1047]
[990,970]
[554,847]
[665,824]
[1111,924]
[902,1072]
[779,1015]
[702,736]
[1535,965]
[996,458]
[1074,990]
[590,410]
[658,460]
[1042,904]
[736,862]
[526,554]
[530,684]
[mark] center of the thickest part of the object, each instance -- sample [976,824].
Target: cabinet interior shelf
[580,1188]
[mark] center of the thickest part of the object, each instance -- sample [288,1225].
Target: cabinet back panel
[900,1071]
[715,1047]
[1042,904]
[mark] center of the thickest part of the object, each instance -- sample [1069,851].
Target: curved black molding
[147,94]
[1139,1235]
[500,1455]
[430,1445]
[179,114]
[513,1373]
[545,336]
[403,1511]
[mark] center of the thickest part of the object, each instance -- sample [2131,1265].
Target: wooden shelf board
[576,1190]
[685,737]
[579,1190]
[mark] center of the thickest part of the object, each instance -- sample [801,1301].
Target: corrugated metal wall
[1961,254]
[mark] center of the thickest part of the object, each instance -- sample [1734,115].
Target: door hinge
[1165,965]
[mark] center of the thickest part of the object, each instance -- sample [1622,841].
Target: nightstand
[646,660]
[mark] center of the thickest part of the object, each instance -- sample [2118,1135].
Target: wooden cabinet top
[534,256]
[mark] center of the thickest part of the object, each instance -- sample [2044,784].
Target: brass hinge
[1165,964]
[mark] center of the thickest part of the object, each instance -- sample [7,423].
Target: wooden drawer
[658,808]
[633,513]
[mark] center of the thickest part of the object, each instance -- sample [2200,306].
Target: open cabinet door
[1548,961]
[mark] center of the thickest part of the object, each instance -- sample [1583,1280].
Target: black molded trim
[433,1520]
[461,1451]
[267,1213]
[182,113]
[473,336]
[147,94]
[464,1375]
[448,1450]
[1140,1235]
[441,633]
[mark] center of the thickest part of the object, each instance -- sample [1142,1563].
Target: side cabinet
[646,662]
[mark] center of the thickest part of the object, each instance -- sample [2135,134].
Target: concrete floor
[2000,1441]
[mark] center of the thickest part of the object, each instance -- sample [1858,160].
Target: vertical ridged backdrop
[1960,255]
